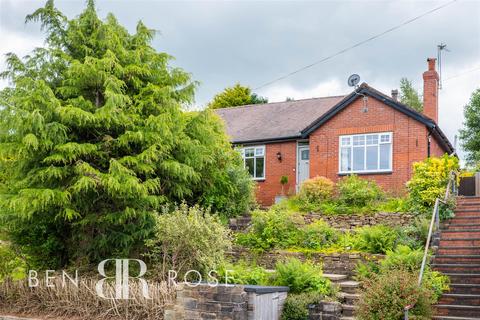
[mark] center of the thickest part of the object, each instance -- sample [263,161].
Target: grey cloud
[221,43]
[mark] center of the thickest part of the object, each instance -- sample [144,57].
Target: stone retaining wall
[342,221]
[339,263]
[351,221]
[226,302]
[325,310]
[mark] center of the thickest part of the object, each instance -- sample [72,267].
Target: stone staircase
[347,295]
[458,256]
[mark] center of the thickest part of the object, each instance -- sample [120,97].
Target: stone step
[456,267]
[464,288]
[349,286]
[453,318]
[455,234]
[459,226]
[467,213]
[458,250]
[460,299]
[462,220]
[468,278]
[457,258]
[460,242]
[457,310]
[335,278]
[348,310]
[467,205]
[348,298]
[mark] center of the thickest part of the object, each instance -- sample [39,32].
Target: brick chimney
[430,91]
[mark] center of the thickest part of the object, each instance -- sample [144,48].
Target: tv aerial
[353,80]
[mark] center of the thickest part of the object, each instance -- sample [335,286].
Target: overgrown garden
[100,158]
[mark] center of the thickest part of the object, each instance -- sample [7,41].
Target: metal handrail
[434,226]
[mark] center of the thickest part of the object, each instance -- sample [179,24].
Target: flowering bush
[429,181]
[386,295]
[316,190]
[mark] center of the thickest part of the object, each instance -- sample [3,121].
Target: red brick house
[365,132]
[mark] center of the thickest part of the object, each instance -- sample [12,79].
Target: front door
[303,164]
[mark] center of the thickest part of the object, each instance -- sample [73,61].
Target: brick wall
[409,142]
[275,169]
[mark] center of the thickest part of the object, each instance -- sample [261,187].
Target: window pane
[385,154]
[372,139]
[385,138]
[249,152]
[305,155]
[259,151]
[260,162]
[345,141]
[358,158]
[372,157]
[358,140]
[345,156]
[249,164]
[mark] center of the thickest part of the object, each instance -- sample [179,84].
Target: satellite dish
[353,80]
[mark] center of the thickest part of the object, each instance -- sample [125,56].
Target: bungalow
[365,132]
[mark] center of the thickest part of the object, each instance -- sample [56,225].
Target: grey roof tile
[274,120]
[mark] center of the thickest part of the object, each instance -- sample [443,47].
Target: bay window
[365,153]
[254,161]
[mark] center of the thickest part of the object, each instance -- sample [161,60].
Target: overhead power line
[463,73]
[356,44]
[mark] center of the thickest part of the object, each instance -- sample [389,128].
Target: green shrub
[375,239]
[243,273]
[415,234]
[275,228]
[301,277]
[436,282]
[385,296]
[296,305]
[402,258]
[394,205]
[188,239]
[11,265]
[366,270]
[429,181]
[316,190]
[356,192]
[318,235]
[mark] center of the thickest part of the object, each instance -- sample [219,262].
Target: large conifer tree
[95,140]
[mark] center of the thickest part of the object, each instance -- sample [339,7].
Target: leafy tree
[410,96]
[237,95]
[94,141]
[470,134]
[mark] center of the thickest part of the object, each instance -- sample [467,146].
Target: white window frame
[390,169]
[255,156]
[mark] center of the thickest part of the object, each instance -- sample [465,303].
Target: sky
[253,42]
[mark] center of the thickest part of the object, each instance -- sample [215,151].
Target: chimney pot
[395,94]
[431,64]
